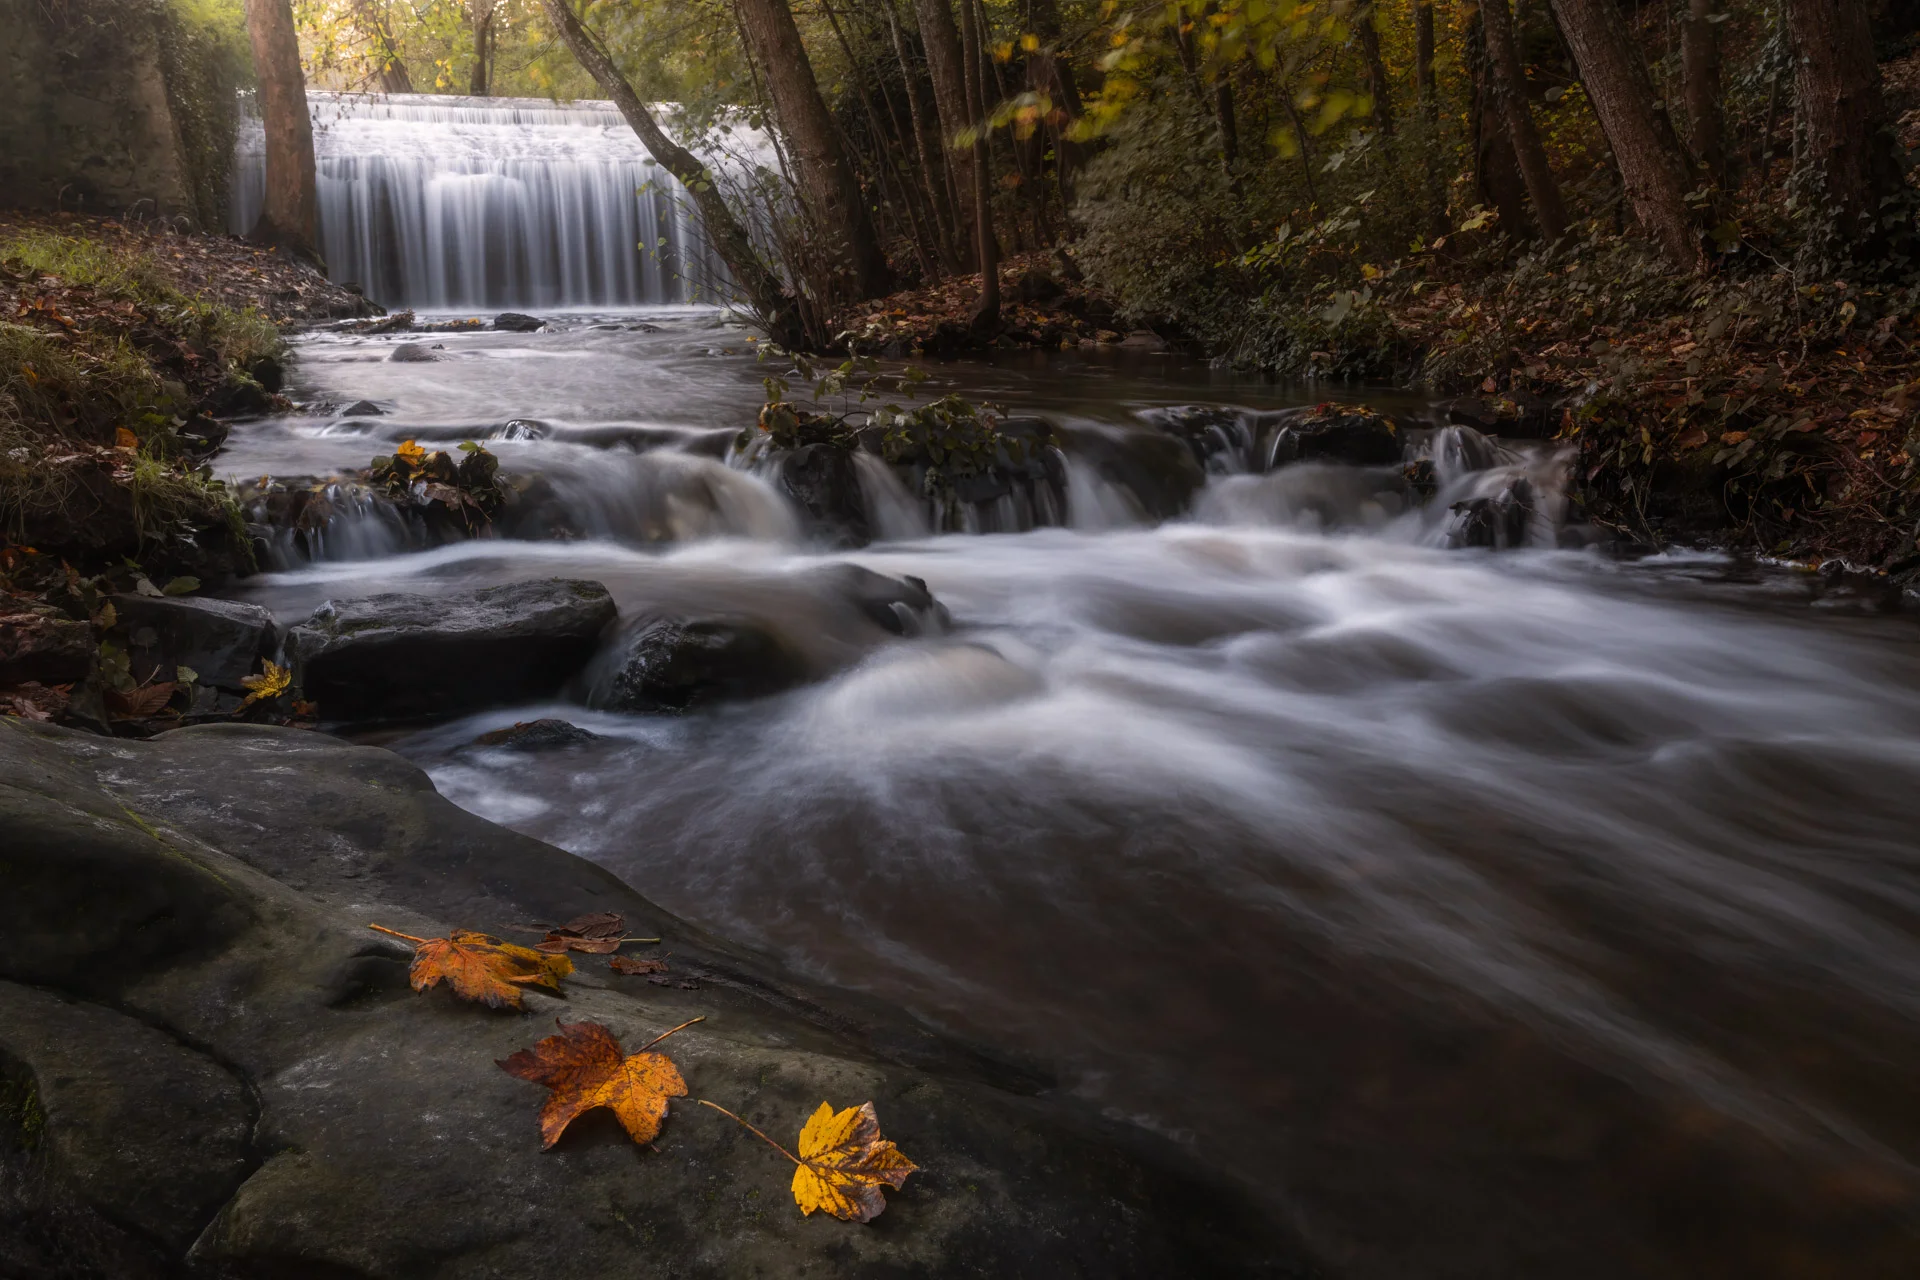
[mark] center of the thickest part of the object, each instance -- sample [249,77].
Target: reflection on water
[1526,914]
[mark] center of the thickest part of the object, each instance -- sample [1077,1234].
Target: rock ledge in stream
[191,913]
[401,655]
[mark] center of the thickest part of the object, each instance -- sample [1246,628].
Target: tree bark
[933,155]
[372,22]
[1508,83]
[773,304]
[828,185]
[1423,84]
[1496,173]
[1653,168]
[1377,83]
[288,217]
[1700,73]
[947,67]
[986,312]
[482,13]
[1846,161]
[1051,73]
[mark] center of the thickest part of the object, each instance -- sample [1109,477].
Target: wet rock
[1222,439]
[1158,472]
[363,409]
[902,605]
[982,474]
[1497,522]
[678,664]
[412,353]
[1348,433]
[824,483]
[223,641]
[402,655]
[239,398]
[537,735]
[1144,340]
[268,372]
[1520,416]
[515,322]
[44,647]
[241,941]
[398,322]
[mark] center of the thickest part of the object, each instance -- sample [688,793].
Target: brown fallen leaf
[585,1068]
[481,968]
[843,1162]
[598,933]
[138,704]
[635,965]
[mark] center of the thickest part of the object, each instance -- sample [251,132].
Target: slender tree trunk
[1377,83]
[885,168]
[482,13]
[933,155]
[1847,159]
[372,22]
[828,185]
[1496,172]
[1508,83]
[1423,83]
[1051,73]
[774,306]
[1653,168]
[947,67]
[986,312]
[1700,70]
[288,218]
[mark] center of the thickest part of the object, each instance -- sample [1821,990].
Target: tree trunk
[1508,83]
[933,155]
[1653,168]
[828,185]
[1847,162]
[288,216]
[1496,173]
[923,246]
[1700,70]
[372,22]
[947,67]
[773,305]
[986,312]
[482,13]
[1377,83]
[1423,83]
[1051,74]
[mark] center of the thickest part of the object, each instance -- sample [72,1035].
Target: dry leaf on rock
[481,968]
[138,704]
[843,1162]
[272,681]
[635,965]
[596,933]
[586,1068]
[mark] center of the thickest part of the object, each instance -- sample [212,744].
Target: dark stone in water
[363,409]
[1158,472]
[411,353]
[1497,522]
[268,372]
[515,322]
[677,664]
[901,605]
[537,735]
[823,480]
[1347,433]
[1221,439]
[222,640]
[239,398]
[398,655]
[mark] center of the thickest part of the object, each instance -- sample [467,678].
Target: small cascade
[448,203]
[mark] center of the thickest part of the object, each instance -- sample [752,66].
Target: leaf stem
[664,1034]
[750,1129]
[396,933]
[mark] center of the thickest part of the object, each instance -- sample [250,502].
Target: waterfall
[450,204]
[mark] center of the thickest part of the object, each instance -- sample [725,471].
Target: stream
[1514,913]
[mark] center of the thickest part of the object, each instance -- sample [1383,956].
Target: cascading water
[450,203]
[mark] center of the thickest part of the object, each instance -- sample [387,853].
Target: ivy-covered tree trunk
[1847,161]
[1653,168]
[288,218]
[773,305]
[1700,75]
[1508,83]
[947,67]
[825,176]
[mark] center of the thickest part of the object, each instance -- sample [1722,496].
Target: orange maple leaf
[585,1068]
[410,453]
[843,1162]
[481,968]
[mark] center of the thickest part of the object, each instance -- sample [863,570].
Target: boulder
[1498,521]
[403,655]
[1158,472]
[515,322]
[1346,433]
[824,482]
[220,1061]
[223,641]
[1222,439]
[678,664]
[537,735]
[239,397]
[268,372]
[43,646]
[902,605]
[411,353]
[363,409]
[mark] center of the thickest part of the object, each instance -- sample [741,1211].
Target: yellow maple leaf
[585,1068]
[272,681]
[125,439]
[410,452]
[481,968]
[843,1162]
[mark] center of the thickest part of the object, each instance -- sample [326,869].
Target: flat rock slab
[399,655]
[223,641]
[213,886]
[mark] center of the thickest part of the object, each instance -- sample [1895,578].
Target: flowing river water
[1518,913]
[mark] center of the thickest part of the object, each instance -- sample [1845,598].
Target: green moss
[205,59]
[21,1111]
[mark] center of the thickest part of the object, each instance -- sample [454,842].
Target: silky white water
[1520,913]
[453,203]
